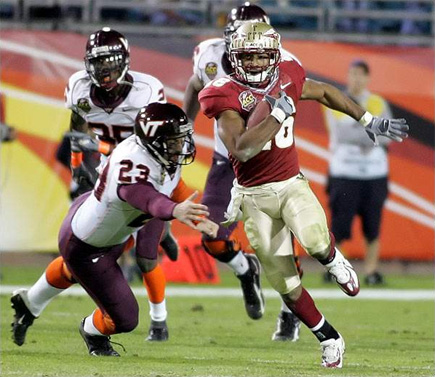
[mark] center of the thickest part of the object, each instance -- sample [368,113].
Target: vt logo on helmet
[254,53]
[164,130]
[107,58]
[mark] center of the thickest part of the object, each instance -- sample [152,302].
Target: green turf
[214,337]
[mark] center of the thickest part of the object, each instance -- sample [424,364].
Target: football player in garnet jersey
[270,194]
[211,61]
[133,191]
[106,98]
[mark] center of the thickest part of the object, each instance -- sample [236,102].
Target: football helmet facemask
[165,131]
[107,58]
[240,15]
[254,38]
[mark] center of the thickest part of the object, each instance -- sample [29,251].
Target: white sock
[90,327]
[319,325]
[284,307]
[40,294]
[158,311]
[239,264]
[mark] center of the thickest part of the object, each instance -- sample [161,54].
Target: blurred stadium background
[42,43]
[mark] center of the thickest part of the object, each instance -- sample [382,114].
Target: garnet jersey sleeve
[291,71]
[217,97]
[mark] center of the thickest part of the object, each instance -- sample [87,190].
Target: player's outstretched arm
[190,101]
[330,96]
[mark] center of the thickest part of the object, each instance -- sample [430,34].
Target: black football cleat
[158,332]
[169,243]
[23,318]
[287,328]
[98,345]
[251,288]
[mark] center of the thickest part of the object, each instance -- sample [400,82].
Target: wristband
[366,119]
[104,147]
[76,159]
[279,115]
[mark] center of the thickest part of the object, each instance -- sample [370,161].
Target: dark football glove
[284,105]
[83,177]
[83,141]
[395,129]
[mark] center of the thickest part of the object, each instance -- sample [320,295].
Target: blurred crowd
[352,16]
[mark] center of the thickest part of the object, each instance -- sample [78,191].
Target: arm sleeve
[146,198]
[300,76]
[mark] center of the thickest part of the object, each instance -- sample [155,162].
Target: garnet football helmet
[240,15]
[254,38]
[107,58]
[164,130]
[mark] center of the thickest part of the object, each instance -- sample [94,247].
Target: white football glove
[395,129]
[282,107]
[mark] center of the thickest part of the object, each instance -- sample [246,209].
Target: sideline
[336,294]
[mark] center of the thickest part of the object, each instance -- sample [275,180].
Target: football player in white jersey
[210,61]
[106,98]
[133,190]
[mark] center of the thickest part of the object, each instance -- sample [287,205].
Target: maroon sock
[331,254]
[305,309]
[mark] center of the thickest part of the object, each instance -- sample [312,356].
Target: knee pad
[58,275]
[281,272]
[223,251]
[146,265]
[281,283]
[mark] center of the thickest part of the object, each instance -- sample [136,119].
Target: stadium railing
[302,19]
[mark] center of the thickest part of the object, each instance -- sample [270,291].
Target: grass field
[214,337]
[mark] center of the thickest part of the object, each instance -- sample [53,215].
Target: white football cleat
[332,352]
[344,274]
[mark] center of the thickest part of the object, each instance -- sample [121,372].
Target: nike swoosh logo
[219,162]
[285,85]
[20,321]
[95,260]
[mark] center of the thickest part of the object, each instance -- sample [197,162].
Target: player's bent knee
[129,321]
[145,264]
[293,295]
[283,284]
[315,240]
[126,326]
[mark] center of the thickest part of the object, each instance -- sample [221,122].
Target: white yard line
[336,294]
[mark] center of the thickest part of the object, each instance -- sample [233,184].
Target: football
[258,114]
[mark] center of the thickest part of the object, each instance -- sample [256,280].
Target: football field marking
[336,294]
